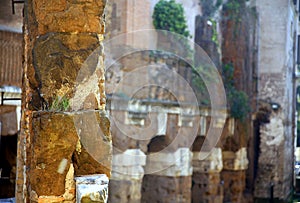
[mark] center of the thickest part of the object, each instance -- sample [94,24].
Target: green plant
[60,104]
[236,9]
[169,15]
[199,75]
[214,37]
[238,101]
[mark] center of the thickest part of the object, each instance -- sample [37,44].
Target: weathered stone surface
[166,189]
[94,153]
[92,188]
[234,185]
[207,187]
[213,162]
[61,63]
[235,160]
[269,169]
[54,141]
[276,86]
[128,165]
[127,191]
[173,164]
[56,135]
[59,36]
[69,16]
[127,175]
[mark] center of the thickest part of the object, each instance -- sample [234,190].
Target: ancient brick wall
[60,113]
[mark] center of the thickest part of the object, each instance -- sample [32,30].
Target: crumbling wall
[63,119]
[276,90]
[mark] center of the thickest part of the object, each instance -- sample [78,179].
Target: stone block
[212,163]
[170,164]
[64,62]
[54,139]
[235,160]
[131,157]
[128,165]
[92,188]
[69,16]
[94,152]
[55,146]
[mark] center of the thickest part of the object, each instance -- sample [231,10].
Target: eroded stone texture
[206,181]
[94,155]
[63,90]
[234,185]
[207,187]
[61,63]
[69,16]
[92,188]
[166,189]
[272,139]
[276,87]
[54,140]
[127,191]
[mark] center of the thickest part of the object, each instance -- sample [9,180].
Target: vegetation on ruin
[169,15]
[238,101]
[60,104]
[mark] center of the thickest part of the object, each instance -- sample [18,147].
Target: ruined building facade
[154,152]
[254,156]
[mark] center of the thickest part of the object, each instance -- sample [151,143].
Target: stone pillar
[173,183]
[63,119]
[206,179]
[127,176]
[235,165]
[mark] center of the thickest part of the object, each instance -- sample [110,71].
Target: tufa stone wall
[63,122]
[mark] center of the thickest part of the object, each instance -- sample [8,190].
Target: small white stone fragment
[62,166]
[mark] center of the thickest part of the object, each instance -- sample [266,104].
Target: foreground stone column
[63,119]
[173,184]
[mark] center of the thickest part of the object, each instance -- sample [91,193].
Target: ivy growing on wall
[238,101]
